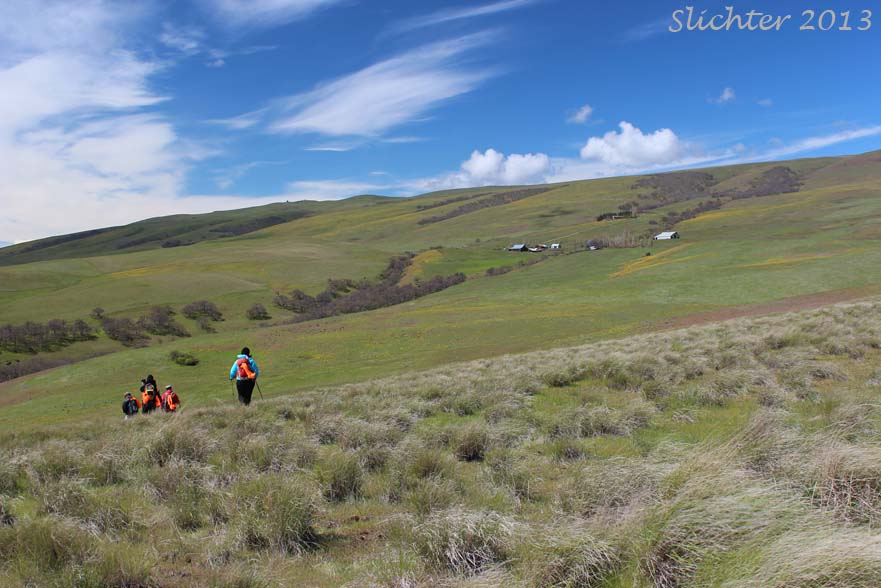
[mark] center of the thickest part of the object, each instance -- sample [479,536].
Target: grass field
[751,252]
[742,454]
[583,421]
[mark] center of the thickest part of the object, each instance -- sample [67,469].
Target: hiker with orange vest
[244,371]
[150,399]
[130,406]
[170,400]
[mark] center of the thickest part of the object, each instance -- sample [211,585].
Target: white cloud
[631,148]
[489,168]
[725,97]
[386,94]
[648,30]
[74,152]
[187,40]
[452,14]
[581,115]
[240,122]
[263,13]
[332,147]
[766,102]
[819,142]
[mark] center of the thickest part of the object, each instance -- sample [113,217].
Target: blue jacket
[234,370]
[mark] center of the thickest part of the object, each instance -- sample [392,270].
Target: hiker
[170,400]
[130,406]
[245,371]
[150,399]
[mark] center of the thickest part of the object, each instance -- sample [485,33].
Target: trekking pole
[259,390]
[232,387]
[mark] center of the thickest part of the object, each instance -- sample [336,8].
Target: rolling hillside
[790,233]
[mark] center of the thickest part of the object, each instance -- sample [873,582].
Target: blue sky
[112,112]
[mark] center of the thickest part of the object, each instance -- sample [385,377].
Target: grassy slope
[752,251]
[735,454]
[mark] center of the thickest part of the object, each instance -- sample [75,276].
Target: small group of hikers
[151,399]
[244,371]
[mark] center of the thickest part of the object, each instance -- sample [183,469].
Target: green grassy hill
[585,420]
[794,233]
[741,454]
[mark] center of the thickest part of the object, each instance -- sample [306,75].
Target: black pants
[245,388]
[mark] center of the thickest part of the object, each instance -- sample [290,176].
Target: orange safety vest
[171,401]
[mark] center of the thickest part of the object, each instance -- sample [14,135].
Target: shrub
[158,321]
[431,495]
[576,561]
[464,542]
[257,312]
[205,324]
[341,477]
[179,442]
[202,308]
[566,448]
[124,330]
[49,543]
[273,513]
[471,443]
[10,477]
[428,463]
[181,358]
[103,512]
[6,517]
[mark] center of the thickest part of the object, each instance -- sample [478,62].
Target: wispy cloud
[727,95]
[766,102]
[262,13]
[404,140]
[187,40]
[387,94]
[241,121]
[332,147]
[818,142]
[460,13]
[226,177]
[581,115]
[647,30]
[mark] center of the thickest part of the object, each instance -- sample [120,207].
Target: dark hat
[246,351]
[168,387]
[127,394]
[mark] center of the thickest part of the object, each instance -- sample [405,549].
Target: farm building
[518,247]
[666,235]
[555,245]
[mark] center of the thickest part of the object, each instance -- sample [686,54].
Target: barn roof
[666,234]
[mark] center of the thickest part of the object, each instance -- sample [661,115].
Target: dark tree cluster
[202,308]
[32,337]
[21,367]
[345,296]
[257,312]
[672,218]
[159,320]
[490,201]
[777,180]
[498,271]
[380,295]
[440,203]
[124,330]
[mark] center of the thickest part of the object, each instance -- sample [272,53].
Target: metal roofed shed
[666,235]
[518,247]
